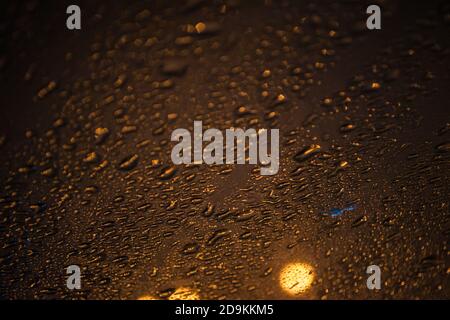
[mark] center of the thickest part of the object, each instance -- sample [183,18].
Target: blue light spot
[335,212]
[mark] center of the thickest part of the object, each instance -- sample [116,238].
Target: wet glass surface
[87,178]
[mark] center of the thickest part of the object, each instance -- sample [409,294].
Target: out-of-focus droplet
[129,162]
[167,173]
[101,134]
[347,127]
[375,86]
[327,102]
[46,90]
[200,27]
[443,147]
[307,153]
[91,157]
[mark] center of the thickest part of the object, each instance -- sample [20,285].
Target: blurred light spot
[296,278]
[266,73]
[281,98]
[147,298]
[337,212]
[375,85]
[184,294]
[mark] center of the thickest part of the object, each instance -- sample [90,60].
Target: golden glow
[343,164]
[376,85]
[296,278]
[200,27]
[184,293]
[266,73]
[281,98]
[147,298]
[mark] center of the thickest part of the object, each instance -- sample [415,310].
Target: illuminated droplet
[327,102]
[91,157]
[172,116]
[375,85]
[343,164]
[200,27]
[281,98]
[184,293]
[296,278]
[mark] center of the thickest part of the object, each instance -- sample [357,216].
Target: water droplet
[129,162]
